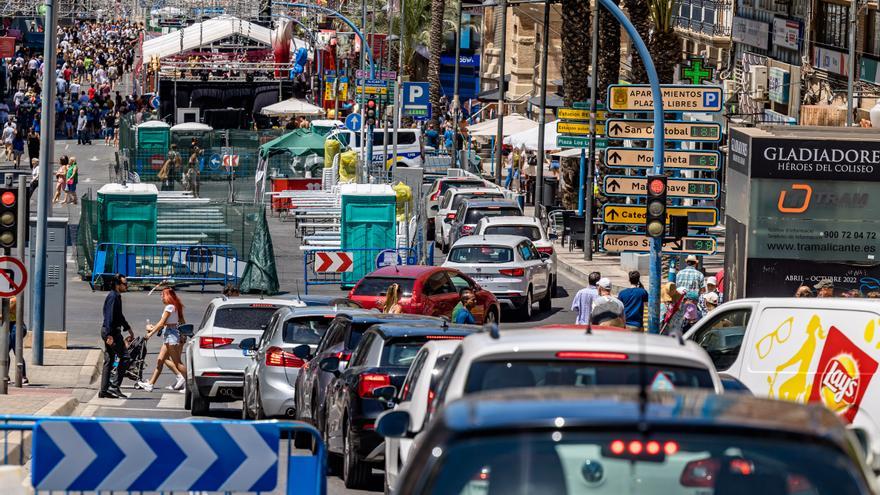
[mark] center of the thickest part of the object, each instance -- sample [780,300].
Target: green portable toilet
[368,221]
[127,213]
[153,139]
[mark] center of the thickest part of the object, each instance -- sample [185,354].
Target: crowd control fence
[344,267]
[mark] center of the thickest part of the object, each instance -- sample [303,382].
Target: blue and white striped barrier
[152,455]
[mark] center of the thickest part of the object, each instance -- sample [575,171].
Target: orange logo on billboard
[799,209]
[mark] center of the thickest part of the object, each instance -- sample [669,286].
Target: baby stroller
[137,353]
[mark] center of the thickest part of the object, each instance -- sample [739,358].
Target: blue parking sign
[416,99]
[711,99]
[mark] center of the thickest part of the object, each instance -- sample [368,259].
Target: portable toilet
[368,226]
[127,213]
[153,138]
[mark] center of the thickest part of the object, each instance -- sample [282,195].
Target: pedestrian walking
[33,144]
[607,311]
[71,179]
[60,179]
[392,300]
[82,131]
[169,354]
[825,288]
[711,288]
[192,174]
[13,327]
[672,299]
[690,278]
[17,147]
[583,300]
[634,299]
[111,332]
[8,136]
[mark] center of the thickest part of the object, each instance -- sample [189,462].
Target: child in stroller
[137,354]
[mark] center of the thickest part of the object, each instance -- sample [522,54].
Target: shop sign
[752,33]
[786,33]
[830,60]
[778,82]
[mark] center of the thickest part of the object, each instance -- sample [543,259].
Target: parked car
[449,205]
[823,350]
[426,290]
[439,188]
[471,211]
[310,300]
[340,339]
[359,394]
[510,267]
[270,375]
[566,441]
[524,226]
[415,396]
[214,362]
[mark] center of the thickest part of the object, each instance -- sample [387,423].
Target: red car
[425,290]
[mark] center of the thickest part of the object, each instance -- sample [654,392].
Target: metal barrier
[92,455]
[179,264]
[362,260]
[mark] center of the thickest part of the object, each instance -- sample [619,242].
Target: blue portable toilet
[368,226]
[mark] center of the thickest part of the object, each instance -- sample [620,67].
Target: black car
[565,440]
[359,394]
[340,339]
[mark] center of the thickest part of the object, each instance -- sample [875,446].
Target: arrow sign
[13,276]
[698,216]
[673,131]
[676,98]
[149,455]
[697,244]
[672,159]
[622,185]
[333,262]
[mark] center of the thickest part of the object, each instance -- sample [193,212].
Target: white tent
[291,106]
[513,124]
[529,138]
[207,32]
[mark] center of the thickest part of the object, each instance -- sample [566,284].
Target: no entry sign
[13,276]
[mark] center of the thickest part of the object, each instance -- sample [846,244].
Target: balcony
[703,28]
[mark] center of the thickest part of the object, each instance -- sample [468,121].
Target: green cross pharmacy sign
[695,72]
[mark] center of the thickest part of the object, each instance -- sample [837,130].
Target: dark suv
[471,211]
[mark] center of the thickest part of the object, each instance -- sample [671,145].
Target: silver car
[510,267]
[269,377]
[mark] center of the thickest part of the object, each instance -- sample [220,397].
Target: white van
[409,145]
[803,350]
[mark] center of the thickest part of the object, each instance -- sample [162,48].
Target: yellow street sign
[698,216]
[578,128]
[623,185]
[672,131]
[682,98]
[672,159]
[579,114]
[616,243]
[372,90]
[330,95]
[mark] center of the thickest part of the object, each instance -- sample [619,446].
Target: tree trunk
[436,46]
[575,60]
[640,15]
[666,51]
[609,51]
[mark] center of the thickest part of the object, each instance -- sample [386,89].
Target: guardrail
[362,261]
[201,264]
[94,455]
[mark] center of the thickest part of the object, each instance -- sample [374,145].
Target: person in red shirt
[92,92]
[67,74]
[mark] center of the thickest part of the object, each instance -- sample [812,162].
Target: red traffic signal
[656,186]
[8,198]
[371,104]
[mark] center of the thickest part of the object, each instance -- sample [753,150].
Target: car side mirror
[386,393]
[447,220]
[248,344]
[303,352]
[544,256]
[393,424]
[330,364]
[187,329]
[732,384]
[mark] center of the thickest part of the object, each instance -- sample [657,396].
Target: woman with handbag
[172,318]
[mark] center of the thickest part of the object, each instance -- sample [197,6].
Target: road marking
[171,400]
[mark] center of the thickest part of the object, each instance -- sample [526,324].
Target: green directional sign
[579,142]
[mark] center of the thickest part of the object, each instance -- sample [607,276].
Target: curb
[579,276]
[90,369]
[14,453]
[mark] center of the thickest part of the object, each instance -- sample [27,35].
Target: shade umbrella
[298,142]
[529,138]
[291,106]
[513,124]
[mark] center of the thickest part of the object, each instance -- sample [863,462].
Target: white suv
[529,227]
[214,362]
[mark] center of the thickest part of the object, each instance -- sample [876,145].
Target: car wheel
[525,310]
[355,473]
[187,396]
[554,288]
[199,403]
[546,303]
[491,317]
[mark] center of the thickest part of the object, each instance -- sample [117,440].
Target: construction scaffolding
[66,8]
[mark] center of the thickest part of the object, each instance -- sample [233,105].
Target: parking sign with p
[416,100]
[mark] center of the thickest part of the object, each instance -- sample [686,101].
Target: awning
[298,142]
[553,101]
[529,138]
[513,124]
[291,106]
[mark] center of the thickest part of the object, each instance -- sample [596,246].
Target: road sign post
[676,98]
[615,242]
[20,299]
[625,185]
[618,157]
[13,277]
[674,131]
[698,216]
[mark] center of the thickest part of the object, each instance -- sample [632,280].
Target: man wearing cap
[825,288]
[711,288]
[608,312]
[690,278]
[583,300]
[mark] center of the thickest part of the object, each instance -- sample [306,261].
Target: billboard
[469,58]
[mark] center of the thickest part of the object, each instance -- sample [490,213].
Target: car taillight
[700,473]
[546,250]
[435,195]
[214,342]
[276,356]
[641,450]
[445,337]
[467,229]
[512,272]
[450,216]
[343,356]
[371,381]
[606,356]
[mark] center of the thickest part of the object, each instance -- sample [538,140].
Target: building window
[833,31]
[872,36]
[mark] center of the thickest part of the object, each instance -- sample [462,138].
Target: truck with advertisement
[823,350]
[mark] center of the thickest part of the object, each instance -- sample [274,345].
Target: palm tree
[416,18]
[575,77]
[665,44]
[609,48]
[435,47]
[640,14]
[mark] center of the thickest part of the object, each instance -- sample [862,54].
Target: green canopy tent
[291,155]
[298,142]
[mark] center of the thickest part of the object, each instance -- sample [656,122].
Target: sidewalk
[57,387]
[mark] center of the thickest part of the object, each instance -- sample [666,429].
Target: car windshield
[481,254]
[252,317]
[456,201]
[685,462]
[530,231]
[376,286]
[475,214]
[461,184]
[307,330]
[501,374]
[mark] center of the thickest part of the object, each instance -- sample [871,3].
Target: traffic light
[655,216]
[371,112]
[8,217]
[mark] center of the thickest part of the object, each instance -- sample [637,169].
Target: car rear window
[456,201]
[503,374]
[376,286]
[401,353]
[252,317]
[306,330]
[461,184]
[356,333]
[475,214]
[481,254]
[531,232]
